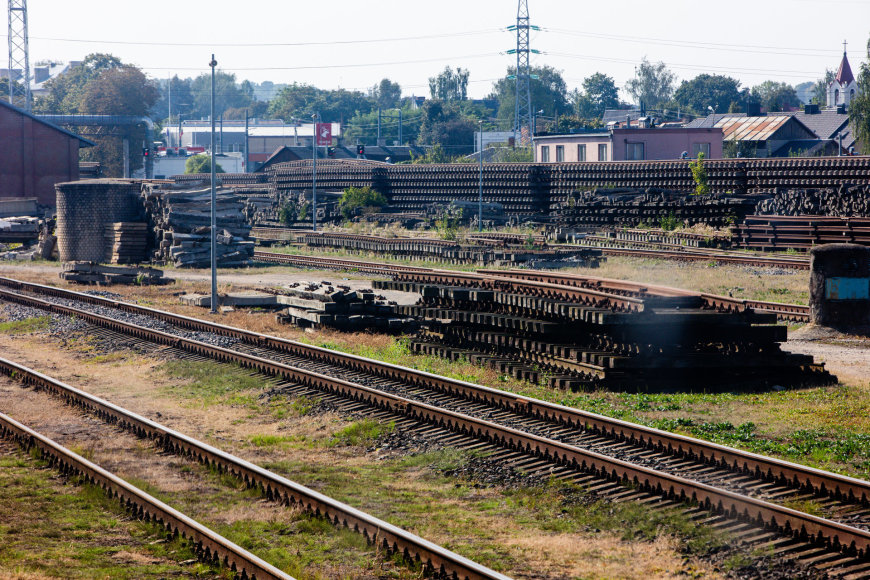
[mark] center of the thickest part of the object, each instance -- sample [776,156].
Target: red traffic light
[360,149]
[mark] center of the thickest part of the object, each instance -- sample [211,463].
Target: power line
[271,44]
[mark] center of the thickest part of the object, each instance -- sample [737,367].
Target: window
[602,152]
[560,153]
[634,151]
[701,148]
[581,152]
[545,153]
[836,96]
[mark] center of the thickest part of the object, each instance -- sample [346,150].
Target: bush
[364,198]
[201,164]
[699,174]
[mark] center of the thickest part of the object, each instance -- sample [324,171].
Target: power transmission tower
[19,55]
[523,109]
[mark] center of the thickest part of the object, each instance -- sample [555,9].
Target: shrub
[364,198]
[201,164]
[699,174]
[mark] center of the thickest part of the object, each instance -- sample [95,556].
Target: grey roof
[827,124]
[86,142]
[611,115]
[710,120]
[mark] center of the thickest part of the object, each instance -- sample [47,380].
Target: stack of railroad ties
[577,332]
[507,251]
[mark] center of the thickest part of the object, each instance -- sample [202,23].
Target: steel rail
[852,541]
[793,312]
[212,546]
[272,485]
[783,471]
[701,256]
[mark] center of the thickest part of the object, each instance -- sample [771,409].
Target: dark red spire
[844,73]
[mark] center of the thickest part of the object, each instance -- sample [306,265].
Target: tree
[442,124]
[65,91]
[706,90]
[302,101]
[227,94]
[386,94]
[652,85]
[820,90]
[201,164]
[360,199]
[548,90]
[775,97]
[599,93]
[449,85]
[859,107]
[182,99]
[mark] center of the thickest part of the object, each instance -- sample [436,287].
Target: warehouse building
[35,155]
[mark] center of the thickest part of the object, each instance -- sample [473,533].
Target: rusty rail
[209,544]
[852,541]
[272,485]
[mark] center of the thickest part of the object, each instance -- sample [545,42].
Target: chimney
[628,121]
[841,109]
[811,109]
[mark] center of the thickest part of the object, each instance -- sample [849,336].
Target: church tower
[843,88]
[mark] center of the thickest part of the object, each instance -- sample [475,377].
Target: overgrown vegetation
[201,164]
[360,200]
[26,326]
[699,174]
[292,212]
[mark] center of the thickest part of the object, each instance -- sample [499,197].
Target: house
[35,155]
[629,143]
[758,136]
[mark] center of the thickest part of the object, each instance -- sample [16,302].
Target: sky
[354,44]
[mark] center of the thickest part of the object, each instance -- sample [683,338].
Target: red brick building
[34,155]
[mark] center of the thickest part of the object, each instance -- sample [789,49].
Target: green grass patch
[75,531]
[26,326]
[362,432]
[212,382]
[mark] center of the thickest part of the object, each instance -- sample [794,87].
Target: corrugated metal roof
[751,128]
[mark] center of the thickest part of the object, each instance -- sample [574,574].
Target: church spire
[844,73]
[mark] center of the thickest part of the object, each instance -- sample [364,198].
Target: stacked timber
[91,273]
[453,252]
[19,229]
[667,342]
[633,207]
[843,201]
[316,305]
[181,223]
[126,242]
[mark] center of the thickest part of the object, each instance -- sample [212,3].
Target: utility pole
[523,106]
[214,296]
[480,179]
[400,127]
[19,55]
[314,173]
[379,128]
[247,170]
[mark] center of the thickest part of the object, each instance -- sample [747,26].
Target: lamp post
[713,115]
[214,297]
[314,119]
[480,179]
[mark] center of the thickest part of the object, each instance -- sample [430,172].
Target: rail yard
[282,313]
[573,388]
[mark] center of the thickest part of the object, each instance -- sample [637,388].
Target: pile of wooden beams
[126,242]
[181,224]
[91,273]
[324,305]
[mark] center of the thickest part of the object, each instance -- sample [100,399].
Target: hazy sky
[353,44]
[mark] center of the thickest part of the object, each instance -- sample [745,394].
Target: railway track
[734,484]
[791,312]
[434,559]
[209,545]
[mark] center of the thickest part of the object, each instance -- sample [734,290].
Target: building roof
[844,73]
[83,142]
[739,127]
[827,124]
[611,115]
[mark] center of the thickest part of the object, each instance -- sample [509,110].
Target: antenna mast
[19,55]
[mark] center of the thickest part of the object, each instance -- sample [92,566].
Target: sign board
[324,134]
[847,288]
